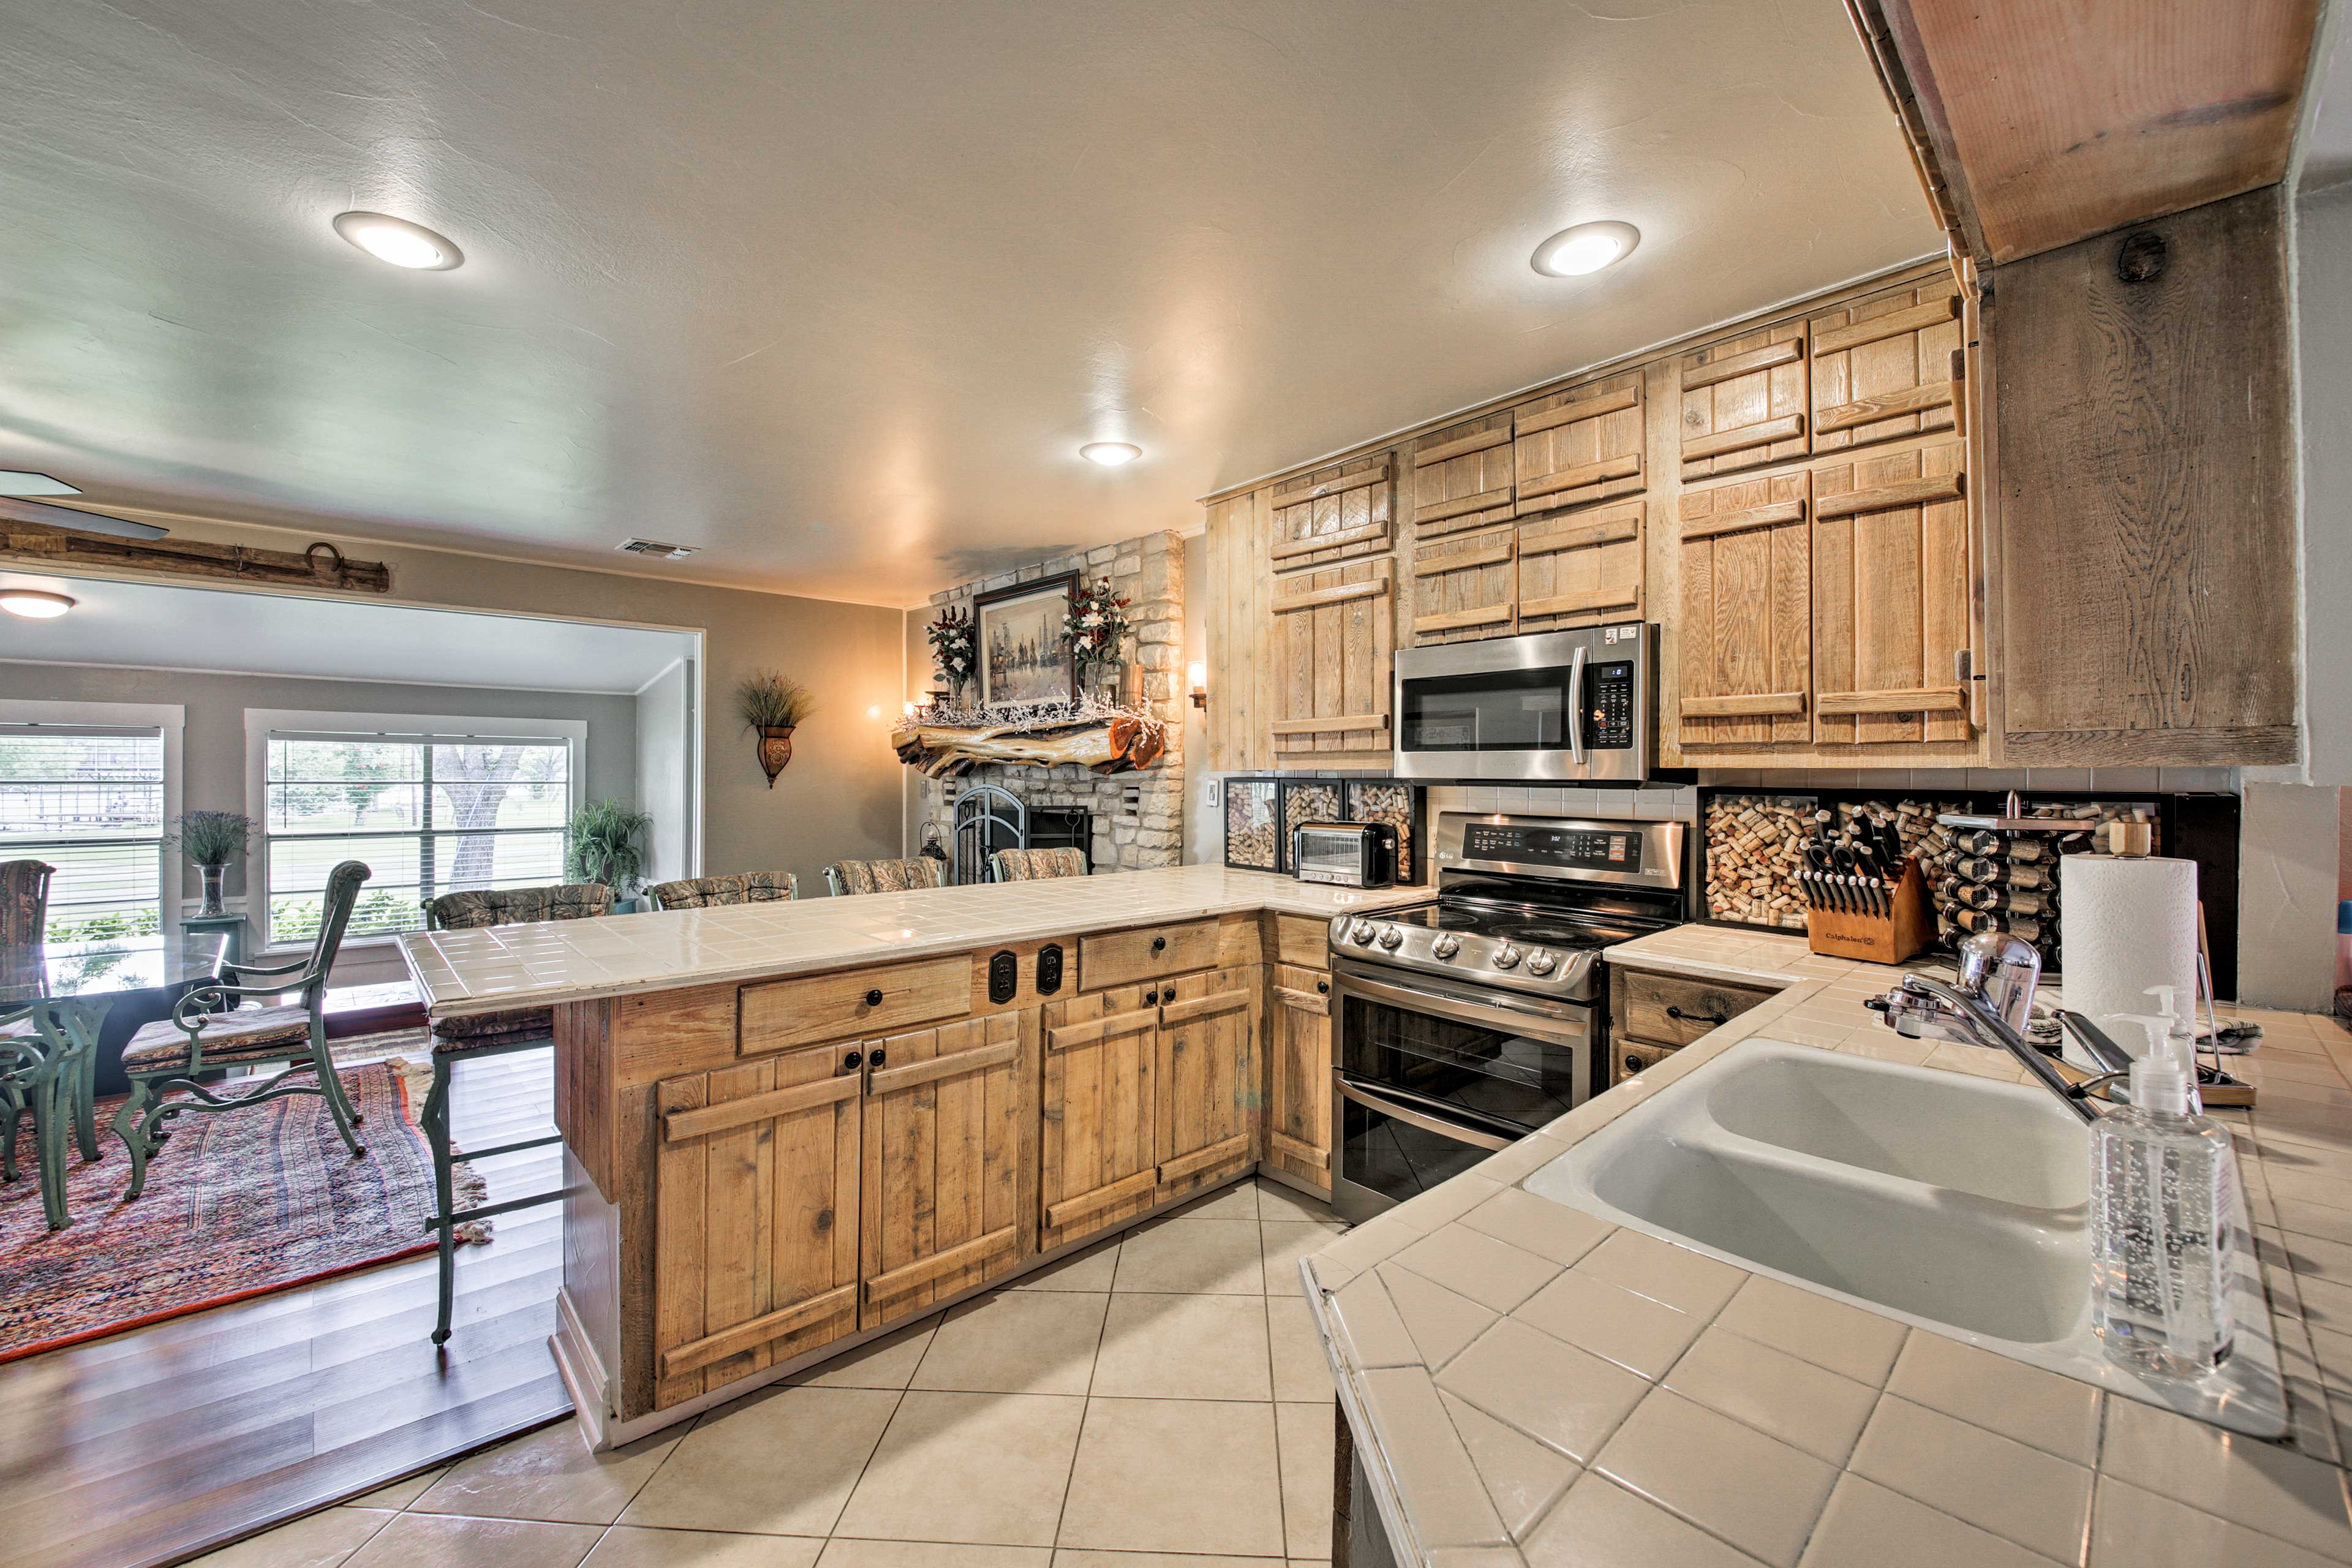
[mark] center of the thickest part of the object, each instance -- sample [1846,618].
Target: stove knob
[1541,963]
[1447,946]
[1507,957]
[1362,932]
[1392,937]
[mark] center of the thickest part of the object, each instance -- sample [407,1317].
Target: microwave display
[1579,848]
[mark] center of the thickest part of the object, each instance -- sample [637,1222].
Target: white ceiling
[834,291]
[152,626]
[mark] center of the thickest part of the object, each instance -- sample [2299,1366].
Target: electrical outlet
[1215,789]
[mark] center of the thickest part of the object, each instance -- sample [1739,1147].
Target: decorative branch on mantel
[36,545]
[944,741]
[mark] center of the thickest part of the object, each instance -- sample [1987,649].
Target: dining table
[141,979]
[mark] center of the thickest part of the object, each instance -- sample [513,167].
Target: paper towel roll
[2129,922]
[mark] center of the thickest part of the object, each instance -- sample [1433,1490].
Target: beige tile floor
[1159,1402]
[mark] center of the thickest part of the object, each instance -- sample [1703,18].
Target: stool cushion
[247,1035]
[475,1026]
[520,906]
[886,876]
[711,892]
[1037,865]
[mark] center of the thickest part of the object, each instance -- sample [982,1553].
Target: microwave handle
[1576,706]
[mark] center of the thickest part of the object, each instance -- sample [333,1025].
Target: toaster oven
[1345,854]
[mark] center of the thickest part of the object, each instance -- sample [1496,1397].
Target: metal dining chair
[210,1028]
[24,901]
[843,879]
[49,1057]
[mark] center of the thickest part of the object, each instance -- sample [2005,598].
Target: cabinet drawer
[1672,1010]
[1627,1058]
[801,1011]
[1125,957]
[1302,939]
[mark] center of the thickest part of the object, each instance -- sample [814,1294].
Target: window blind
[89,800]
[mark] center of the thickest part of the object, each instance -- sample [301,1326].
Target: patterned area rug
[237,1204]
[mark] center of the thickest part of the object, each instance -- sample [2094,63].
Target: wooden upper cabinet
[1298,1074]
[1464,586]
[1744,402]
[756,1217]
[1207,1080]
[946,1117]
[1580,446]
[1746,633]
[1887,366]
[1098,1161]
[1891,598]
[1583,569]
[1334,514]
[1462,477]
[1333,643]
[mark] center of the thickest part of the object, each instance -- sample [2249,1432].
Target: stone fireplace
[1137,818]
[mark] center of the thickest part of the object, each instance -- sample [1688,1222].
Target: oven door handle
[1576,706]
[1463,1009]
[1412,1116]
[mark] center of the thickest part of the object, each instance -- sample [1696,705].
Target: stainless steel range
[1462,1024]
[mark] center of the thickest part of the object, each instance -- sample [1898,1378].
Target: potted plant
[1095,630]
[602,847]
[953,650]
[774,707]
[211,839]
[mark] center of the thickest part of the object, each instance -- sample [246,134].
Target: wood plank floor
[147,1446]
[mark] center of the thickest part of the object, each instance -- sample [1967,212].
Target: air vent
[657,549]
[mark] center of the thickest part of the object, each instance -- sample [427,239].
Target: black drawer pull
[1323,988]
[874,997]
[850,1062]
[1699,1017]
[1634,1065]
[1152,998]
[1159,944]
[876,1058]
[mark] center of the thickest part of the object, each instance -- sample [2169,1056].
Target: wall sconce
[910,709]
[1196,676]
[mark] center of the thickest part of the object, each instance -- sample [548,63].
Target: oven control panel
[1569,849]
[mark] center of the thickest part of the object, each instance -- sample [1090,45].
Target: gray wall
[665,737]
[212,762]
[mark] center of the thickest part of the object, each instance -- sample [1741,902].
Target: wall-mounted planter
[775,748]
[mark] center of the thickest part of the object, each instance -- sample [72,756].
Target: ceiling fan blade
[77,519]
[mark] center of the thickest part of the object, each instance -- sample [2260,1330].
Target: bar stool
[716,892]
[1036,865]
[846,877]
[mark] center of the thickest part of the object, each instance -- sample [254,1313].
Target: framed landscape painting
[1018,638]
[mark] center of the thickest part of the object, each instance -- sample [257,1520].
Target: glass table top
[108,967]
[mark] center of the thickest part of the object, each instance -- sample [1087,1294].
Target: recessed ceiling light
[400,242]
[33,604]
[23,482]
[1109,454]
[1586,247]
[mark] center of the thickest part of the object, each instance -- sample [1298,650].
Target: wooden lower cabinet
[1298,1074]
[1207,1079]
[949,1152]
[1654,1016]
[756,1217]
[1097,1159]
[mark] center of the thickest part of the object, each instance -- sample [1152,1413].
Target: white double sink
[1954,1202]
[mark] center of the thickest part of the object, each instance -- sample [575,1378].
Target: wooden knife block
[1907,927]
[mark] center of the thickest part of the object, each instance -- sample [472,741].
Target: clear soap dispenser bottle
[2163,1195]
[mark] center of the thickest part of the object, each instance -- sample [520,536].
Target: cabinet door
[1464,586]
[945,1112]
[1332,515]
[1744,402]
[1578,447]
[1334,647]
[1462,477]
[1746,660]
[1207,1079]
[755,1205]
[1098,1163]
[1891,598]
[1583,570]
[1887,366]
[1298,1075]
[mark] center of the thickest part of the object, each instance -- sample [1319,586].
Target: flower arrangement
[953,648]
[775,706]
[213,837]
[1095,628]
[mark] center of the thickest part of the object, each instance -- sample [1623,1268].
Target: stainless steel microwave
[1555,707]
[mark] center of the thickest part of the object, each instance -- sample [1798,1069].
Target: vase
[212,877]
[775,750]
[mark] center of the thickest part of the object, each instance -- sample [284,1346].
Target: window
[430,813]
[89,800]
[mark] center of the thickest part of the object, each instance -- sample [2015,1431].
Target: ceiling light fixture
[1111,454]
[400,242]
[33,604]
[1586,247]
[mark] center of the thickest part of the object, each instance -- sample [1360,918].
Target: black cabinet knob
[1323,988]
[1159,944]
[1633,1065]
[1152,998]
[1168,994]
[874,997]
[876,1058]
[849,1063]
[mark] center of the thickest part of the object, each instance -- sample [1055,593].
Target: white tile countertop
[495,967]
[1530,1383]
